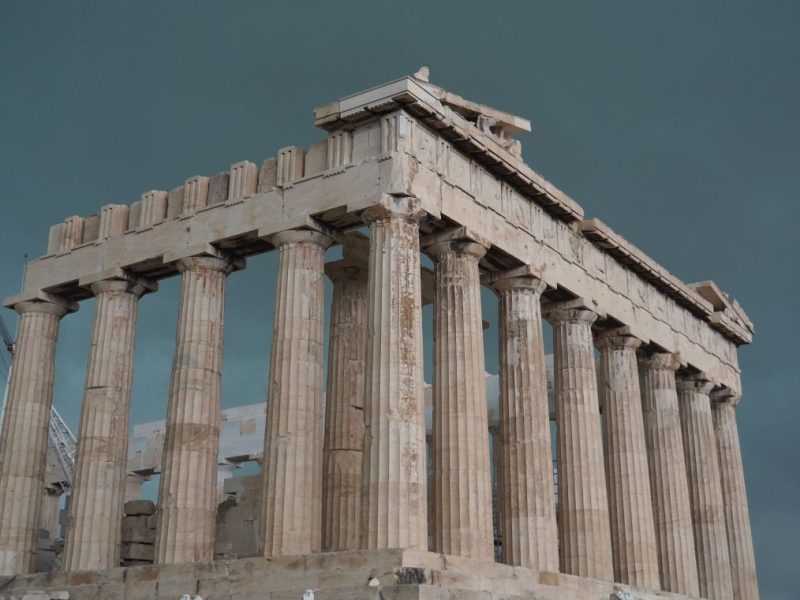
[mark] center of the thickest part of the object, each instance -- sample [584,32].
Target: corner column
[672,513]
[394,502]
[585,537]
[528,510]
[705,491]
[93,533]
[292,483]
[633,536]
[187,498]
[344,415]
[23,444]
[734,496]
[461,471]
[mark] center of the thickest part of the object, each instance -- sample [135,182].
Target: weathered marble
[633,536]
[705,490]
[344,415]
[734,496]
[187,496]
[24,435]
[93,540]
[527,513]
[585,536]
[394,513]
[462,493]
[292,486]
[670,492]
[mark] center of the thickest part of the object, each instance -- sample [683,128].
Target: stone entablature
[489,191]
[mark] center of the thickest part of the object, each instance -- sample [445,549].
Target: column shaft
[344,417]
[461,474]
[585,538]
[668,485]
[24,438]
[734,498]
[187,498]
[633,537]
[93,540]
[705,492]
[292,493]
[528,510]
[394,501]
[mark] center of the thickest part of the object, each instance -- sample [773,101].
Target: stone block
[139,507]
[242,181]
[144,552]
[267,175]
[218,189]
[175,202]
[137,529]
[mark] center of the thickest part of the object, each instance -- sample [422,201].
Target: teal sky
[677,123]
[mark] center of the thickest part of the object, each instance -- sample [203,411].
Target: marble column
[95,513]
[291,515]
[461,472]
[187,496]
[394,501]
[734,496]
[668,485]
[23,444]
[51,511]
[344,415]
[705,491]
[585,537]
[633,536]
[528,509]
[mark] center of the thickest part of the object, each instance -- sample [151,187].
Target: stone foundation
[351,575]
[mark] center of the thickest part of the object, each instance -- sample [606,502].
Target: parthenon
[357,499]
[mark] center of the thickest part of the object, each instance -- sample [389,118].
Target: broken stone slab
[134,551]
[137,529]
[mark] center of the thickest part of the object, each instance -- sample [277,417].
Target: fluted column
[93,539]
[705,491]
[668,485]
[292,484]
[633,536]
[23,444]
[394,501]
[528,510]
[585,538]
[734,496]
[187,497]
[461,473]
[344,416]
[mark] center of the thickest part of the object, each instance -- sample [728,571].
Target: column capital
[58,308]
[195,256]
[569,311]
[300,236]
[344,270]
[618,338]
[725,397]
[394,207]
[121,282]
[665,361]
[694,383]
[460,240]
[520,278]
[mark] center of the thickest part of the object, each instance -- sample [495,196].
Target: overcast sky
[677,123]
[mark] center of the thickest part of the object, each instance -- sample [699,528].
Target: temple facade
[357,498]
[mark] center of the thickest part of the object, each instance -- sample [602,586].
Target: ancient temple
[651,493]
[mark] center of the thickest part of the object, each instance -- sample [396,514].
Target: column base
[351,575]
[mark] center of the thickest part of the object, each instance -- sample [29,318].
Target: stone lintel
[40,296]
[455,235]
[204,249]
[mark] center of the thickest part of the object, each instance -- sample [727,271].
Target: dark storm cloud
[676,123]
